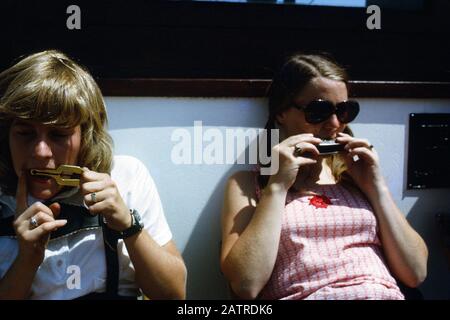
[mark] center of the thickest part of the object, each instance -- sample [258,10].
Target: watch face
[137,219]
[136,227]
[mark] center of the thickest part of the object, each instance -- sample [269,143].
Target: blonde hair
[50,88]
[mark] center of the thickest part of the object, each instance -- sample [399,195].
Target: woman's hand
[366,170]
[102,197]
[34,224]
[290,153]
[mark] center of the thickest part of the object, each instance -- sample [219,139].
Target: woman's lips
[40,179]
[329,135]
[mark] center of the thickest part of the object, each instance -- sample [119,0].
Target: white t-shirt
[75,264]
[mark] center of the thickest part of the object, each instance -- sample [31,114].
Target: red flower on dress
[319,201]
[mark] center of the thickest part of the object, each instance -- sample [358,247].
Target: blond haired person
[322,227]
[107,238]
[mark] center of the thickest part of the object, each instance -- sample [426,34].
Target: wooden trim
[184,87]
[258,88]
[399,89]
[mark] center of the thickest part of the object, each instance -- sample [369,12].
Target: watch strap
[136,225]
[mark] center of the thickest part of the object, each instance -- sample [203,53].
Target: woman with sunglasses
[98,234]
[322,226]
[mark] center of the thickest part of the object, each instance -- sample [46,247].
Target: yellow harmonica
[64,175]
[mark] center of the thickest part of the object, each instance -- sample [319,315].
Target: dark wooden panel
[184,87]
[258,88]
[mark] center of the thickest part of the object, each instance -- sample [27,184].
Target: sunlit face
[293,121]
[34,145]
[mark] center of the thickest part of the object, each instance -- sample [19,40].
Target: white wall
[192,194]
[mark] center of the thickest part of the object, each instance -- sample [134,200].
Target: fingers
[38,220]
[304,160]
[358,143]
[363,153]
[297,145]
[21,194]
[94,182]
[104,207]
[358,147]
[105,202]
[34,209]
[352,143]
[99,197]
[95,186]
[304,137]
[55,209]
[45,228]
[98,192]
[38,209]
[89,176]
[305,147]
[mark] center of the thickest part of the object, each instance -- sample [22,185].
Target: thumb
[21,194]
[56,209]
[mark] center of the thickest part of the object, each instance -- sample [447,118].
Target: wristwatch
[136,225]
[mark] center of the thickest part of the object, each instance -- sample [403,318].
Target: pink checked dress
[330,251]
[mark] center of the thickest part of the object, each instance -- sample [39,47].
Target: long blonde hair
[50,88]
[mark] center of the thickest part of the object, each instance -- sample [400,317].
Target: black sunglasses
[320,110]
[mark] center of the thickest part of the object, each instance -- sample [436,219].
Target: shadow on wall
[202,251]
[422,218]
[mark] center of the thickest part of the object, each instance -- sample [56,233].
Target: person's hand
[291,154]
[365,172]
[102,196]
[34,224]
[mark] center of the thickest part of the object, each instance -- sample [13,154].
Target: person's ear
[281,118]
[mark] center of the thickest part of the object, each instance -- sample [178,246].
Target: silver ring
[33,222]
[93,197]
[297,151]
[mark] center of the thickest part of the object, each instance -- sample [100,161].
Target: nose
[42,149]
[333,120]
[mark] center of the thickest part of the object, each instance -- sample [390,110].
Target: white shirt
[74,265]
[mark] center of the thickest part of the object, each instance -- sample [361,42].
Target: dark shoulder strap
[78,218]
[110,239]
[6,227]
